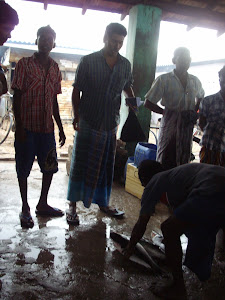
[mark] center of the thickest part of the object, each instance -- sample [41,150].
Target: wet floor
[56,261]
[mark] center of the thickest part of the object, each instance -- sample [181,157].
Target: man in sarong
[195,194]
[8,20]
[212,123]
[101,77]
[180,94]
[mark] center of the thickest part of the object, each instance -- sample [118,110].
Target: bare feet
[169,289]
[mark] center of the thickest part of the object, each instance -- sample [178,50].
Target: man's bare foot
[169,289]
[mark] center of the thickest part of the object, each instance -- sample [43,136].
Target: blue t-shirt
[183,184]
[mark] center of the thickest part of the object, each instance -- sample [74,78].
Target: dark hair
[8,15]
[180,50]
[148,168]
[46,29]
[115,28]
[222,72]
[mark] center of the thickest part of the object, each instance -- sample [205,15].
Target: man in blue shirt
[101,77]
[195,193]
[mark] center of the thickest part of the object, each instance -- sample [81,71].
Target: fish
[158,238]
[140,255]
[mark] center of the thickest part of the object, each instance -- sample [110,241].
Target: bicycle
[7,120]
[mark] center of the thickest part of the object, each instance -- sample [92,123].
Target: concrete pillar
[142,45]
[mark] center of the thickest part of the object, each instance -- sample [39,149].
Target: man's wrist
[61,130]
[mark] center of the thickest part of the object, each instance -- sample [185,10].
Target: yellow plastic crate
[133,184]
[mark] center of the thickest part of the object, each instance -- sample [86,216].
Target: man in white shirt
[180,94]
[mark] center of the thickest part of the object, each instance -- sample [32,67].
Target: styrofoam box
[133,184]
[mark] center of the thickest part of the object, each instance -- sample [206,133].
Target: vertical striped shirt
[101,89]
[38,92]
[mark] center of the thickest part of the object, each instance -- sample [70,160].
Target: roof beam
[190,11]
[204,15]
[125,12]
[45,4]
[191,26]
[220,32]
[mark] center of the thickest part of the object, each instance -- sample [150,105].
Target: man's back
[181,182]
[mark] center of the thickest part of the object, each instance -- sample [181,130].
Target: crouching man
[196,194]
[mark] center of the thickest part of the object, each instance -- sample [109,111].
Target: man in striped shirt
[36,83]
[101,77]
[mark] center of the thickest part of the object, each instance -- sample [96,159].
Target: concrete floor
[56,261]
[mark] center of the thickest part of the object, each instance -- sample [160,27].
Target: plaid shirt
[38,92]
[172,94]
[213,109]
[101,89]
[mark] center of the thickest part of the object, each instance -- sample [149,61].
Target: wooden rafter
[204,13]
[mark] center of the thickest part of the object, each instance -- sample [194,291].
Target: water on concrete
[56,261]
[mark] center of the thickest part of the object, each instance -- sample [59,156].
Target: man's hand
[76,123]
[131,103]
[62,138]
[128,251]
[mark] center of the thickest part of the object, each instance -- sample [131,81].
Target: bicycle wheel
[5,127]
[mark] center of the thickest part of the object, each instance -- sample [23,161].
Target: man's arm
[155,93]
[197,104]
[202,122]
[204,109]
[62,137]
[153,107]
[75,104]
[20,133]
[137,233]
[4,88]
[129,92]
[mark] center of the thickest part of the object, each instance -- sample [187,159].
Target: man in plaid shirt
[36,83]
[212,123]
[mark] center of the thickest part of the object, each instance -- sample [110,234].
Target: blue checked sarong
[92,165]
